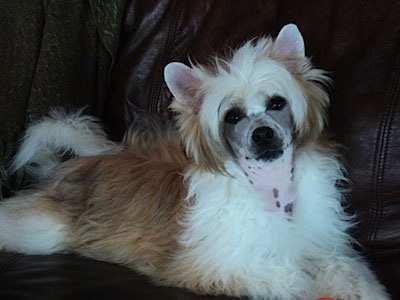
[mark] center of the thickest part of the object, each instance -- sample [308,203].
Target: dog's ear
[184,85]
[289,42]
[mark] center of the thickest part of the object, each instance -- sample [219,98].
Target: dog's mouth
[270,155]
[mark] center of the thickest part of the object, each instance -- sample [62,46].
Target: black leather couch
[358,41]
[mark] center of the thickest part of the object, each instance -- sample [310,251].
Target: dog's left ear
[184,83]
[184,86]
[289,42]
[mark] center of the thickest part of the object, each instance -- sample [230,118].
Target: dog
[241,196]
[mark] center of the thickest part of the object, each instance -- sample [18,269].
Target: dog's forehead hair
[252,97]
[249,105]
[253,105]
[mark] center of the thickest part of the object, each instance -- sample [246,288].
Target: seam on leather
[382,144]
[171,35]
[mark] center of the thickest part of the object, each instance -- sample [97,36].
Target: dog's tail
[57,137]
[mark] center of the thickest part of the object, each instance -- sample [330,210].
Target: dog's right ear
[290,42]
[184,86]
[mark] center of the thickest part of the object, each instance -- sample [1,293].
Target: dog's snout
[262,136]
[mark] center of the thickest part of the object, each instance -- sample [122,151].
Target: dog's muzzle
[266,144]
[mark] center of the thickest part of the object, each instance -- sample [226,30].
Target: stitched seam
[380,154]
[165,55]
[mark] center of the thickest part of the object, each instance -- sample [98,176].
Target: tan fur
[318,101]
[207,158]
[312,81]
[113,210]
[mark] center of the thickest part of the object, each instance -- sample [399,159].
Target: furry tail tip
[48,141]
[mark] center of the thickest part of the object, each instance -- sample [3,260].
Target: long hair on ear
[312,82]
[185,85]
[288,49]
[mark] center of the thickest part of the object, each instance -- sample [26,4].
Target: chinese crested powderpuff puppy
[240,197]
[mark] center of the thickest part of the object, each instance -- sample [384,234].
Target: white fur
[34,232]
[252,85]
[230,237]
[58,134]
[227,236]
[229,231]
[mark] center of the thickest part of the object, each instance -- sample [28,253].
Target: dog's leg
[32,224]
[348,278]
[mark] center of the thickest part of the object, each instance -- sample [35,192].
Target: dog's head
[262,100]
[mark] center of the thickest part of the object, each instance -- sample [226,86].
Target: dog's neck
[274,180]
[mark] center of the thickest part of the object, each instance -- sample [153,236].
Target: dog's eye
[233,116]
[276,103]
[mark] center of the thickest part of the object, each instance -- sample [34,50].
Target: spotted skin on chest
[274,180]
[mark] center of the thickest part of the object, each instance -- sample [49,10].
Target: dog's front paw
[348,279]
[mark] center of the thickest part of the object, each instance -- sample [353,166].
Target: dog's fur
[57,137]
[242,199]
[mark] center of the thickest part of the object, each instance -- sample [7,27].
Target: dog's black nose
[262,136]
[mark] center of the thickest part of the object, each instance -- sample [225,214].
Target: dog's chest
[229,224]
[274,181]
